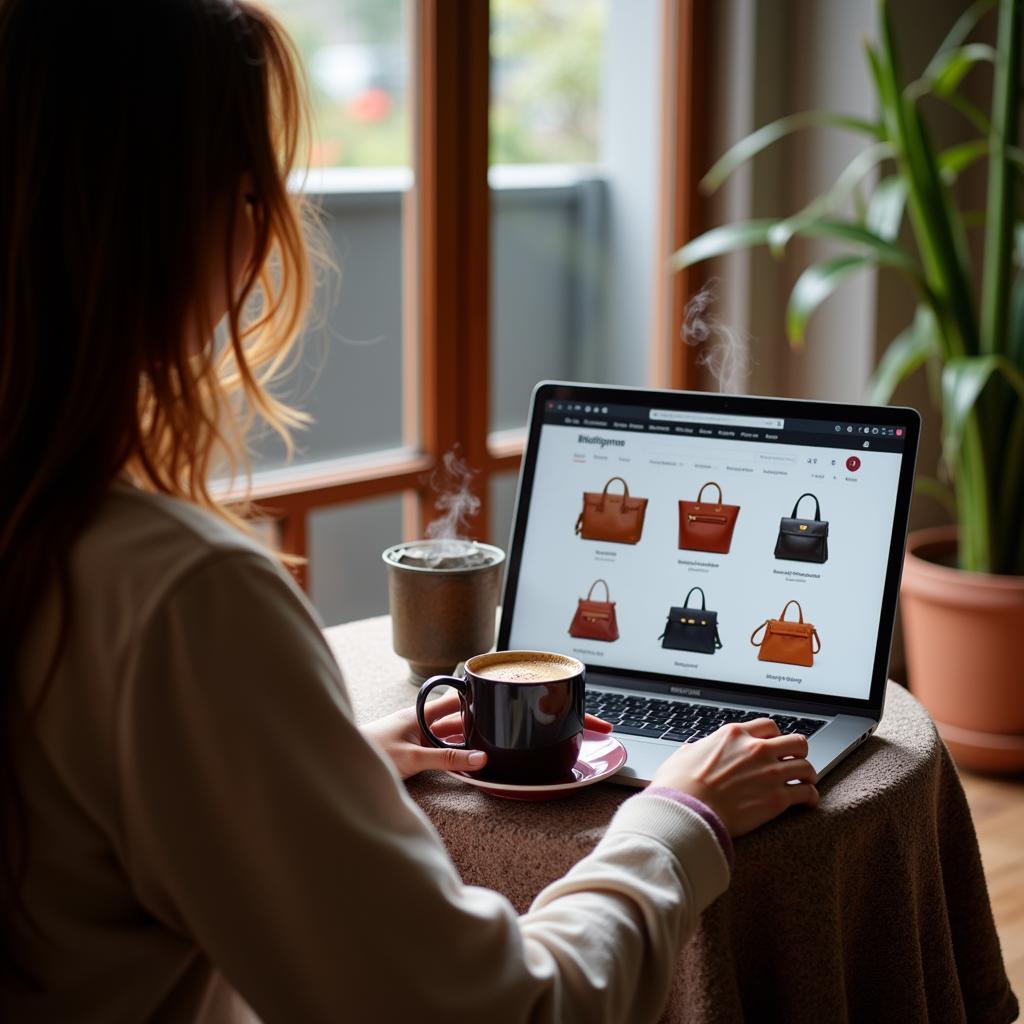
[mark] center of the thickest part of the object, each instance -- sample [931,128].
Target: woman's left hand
[399,736]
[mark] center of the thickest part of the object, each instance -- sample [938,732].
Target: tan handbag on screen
[617,518]
[791,643]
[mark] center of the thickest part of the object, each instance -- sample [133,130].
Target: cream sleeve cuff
[685,833]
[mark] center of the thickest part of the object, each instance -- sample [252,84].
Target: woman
[194,827]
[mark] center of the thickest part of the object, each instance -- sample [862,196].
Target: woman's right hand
[743,772]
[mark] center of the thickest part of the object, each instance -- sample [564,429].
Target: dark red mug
[524,709]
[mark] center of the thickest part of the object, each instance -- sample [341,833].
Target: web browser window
[738,549]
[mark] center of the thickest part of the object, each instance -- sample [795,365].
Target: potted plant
[963,586]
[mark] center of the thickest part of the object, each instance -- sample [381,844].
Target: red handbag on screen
[595,620]
[706,526]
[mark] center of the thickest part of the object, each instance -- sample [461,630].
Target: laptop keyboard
[678,721]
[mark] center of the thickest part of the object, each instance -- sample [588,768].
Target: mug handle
[421,700]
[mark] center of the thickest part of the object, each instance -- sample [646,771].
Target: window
[356,54]
[496,186]
[546,58]
[548,199]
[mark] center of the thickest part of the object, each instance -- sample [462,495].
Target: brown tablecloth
[872,908]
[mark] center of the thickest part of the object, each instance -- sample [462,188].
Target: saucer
[601,756]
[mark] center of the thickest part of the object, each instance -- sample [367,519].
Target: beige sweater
[211,832]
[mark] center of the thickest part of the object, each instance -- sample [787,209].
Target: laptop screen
[740,549]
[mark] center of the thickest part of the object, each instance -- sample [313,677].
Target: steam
[446,546]
[723,350]
[455,502]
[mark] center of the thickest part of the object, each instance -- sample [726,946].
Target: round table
[871,908]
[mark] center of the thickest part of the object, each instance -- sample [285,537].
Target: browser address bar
[721,419]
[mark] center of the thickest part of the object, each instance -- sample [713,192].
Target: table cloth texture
[872,908]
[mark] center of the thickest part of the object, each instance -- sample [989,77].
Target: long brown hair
[126,131]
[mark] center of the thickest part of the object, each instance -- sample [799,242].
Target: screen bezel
[692,401]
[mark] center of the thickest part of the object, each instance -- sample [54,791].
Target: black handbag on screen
[803,540]
[691,629]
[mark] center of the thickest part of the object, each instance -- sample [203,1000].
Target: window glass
[575,107]
[356,56]
[546,80]
[347,578]
[502,494]
[353,368]
[349,377]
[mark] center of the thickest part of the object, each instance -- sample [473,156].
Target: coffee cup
[524,709]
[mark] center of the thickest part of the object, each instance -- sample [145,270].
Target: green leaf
[875,67]
[721,240]
[885,210]
[814,286]
[963,380]
[829,202]
[940,235]
[881,250]
[969,111]
[955,160]
[1018,250]
[949,72]
[1015,332]
[962,28]
[1011,510]
[937,491]
[1016,156]
[910,349]
[860,206]
[887,74]
[973,501]
[780,233]
[999,206]
[769,134]
[933,375]
[851,175]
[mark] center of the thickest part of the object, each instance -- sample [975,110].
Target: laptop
[712,559]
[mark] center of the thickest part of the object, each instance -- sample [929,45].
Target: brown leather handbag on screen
[595,620]
[618,518]
[791,643]
[704,526]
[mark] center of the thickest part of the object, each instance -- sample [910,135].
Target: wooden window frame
[446,253]
[684,138]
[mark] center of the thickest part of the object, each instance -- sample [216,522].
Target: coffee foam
[527,667]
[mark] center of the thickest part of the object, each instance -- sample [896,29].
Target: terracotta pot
[964,633]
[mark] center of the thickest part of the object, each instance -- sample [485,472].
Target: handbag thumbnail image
[612,517]
[788,642]
[803,540]
[595,620]
[704,526]
[691,629]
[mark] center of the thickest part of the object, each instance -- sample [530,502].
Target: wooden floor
[997,807]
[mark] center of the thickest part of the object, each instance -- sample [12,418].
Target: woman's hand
[745,772]
[399,736]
